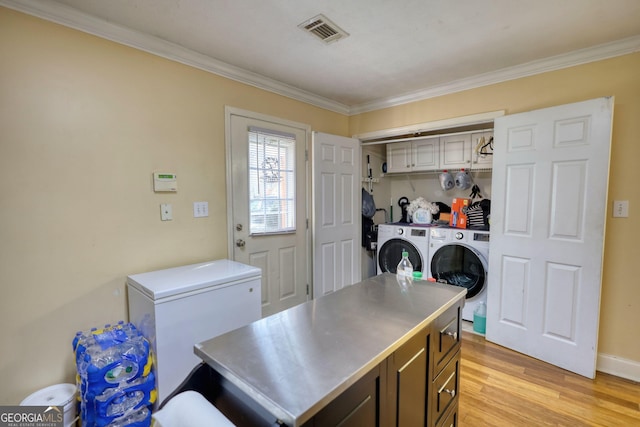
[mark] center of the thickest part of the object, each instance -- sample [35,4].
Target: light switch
[620,208]
[166,212]
[200,209]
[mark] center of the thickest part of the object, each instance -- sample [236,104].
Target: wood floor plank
[500,387]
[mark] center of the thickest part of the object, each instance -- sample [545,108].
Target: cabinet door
[426,154]
[455,151]
[408,382]
[358,406]
[399,157]
[481,150]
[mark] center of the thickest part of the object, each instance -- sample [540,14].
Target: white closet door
[550,175]
[337,213]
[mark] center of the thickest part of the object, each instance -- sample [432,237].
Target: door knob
[240,243]
[239,227]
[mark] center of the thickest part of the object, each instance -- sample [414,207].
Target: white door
[337,210]
[550,174]
[267,193]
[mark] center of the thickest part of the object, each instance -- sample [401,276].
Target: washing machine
[394,238]
[460,257]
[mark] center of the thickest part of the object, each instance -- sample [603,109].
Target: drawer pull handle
[451,392]
[453,335]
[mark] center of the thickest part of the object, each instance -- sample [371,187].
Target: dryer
[393,238]
[460,257]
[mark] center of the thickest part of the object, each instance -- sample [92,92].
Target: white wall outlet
[200,209]
[620,208]
[166,212]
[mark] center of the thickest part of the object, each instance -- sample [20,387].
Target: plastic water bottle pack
[115,383]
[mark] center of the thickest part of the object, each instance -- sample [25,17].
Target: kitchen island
[375,353]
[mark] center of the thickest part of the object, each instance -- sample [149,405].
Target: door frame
[233,111]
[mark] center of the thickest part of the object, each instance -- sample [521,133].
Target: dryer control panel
[418,232]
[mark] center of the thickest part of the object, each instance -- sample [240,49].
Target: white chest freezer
[179,307]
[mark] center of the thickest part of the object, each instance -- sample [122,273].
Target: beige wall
[620,305]
[83,124]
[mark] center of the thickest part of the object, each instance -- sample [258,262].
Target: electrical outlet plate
[166,212]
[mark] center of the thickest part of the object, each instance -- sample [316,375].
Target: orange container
[459,208]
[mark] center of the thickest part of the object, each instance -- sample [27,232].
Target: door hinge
[307,289]
[306,155]
[307,223]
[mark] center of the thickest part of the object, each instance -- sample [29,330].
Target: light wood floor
[499,387]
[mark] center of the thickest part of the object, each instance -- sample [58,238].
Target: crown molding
[571,59]
[69,17]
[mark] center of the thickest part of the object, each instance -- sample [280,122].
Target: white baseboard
[614,365]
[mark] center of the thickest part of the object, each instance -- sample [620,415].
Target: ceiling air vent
[324,29]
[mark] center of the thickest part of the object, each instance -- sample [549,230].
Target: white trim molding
[571,59]
[473,119]
[64,15]
[618,366]
[72,18]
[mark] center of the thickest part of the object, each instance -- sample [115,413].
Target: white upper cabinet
[455,151]
[459,151]
[413,156]
[482,150]
[425,154]
[399,157]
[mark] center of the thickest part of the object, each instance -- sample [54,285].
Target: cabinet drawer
[446,337]
[445,388]
[450,419]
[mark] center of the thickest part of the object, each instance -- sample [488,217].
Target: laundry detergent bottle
[480,318]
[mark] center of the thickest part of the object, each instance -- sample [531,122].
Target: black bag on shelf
[478,215]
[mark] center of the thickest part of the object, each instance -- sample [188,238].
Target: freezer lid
[174,281]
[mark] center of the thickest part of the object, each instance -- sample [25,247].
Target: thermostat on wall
[163,181]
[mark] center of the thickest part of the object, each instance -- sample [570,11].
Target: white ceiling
[397,51]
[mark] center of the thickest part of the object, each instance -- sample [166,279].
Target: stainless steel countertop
[295,362]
